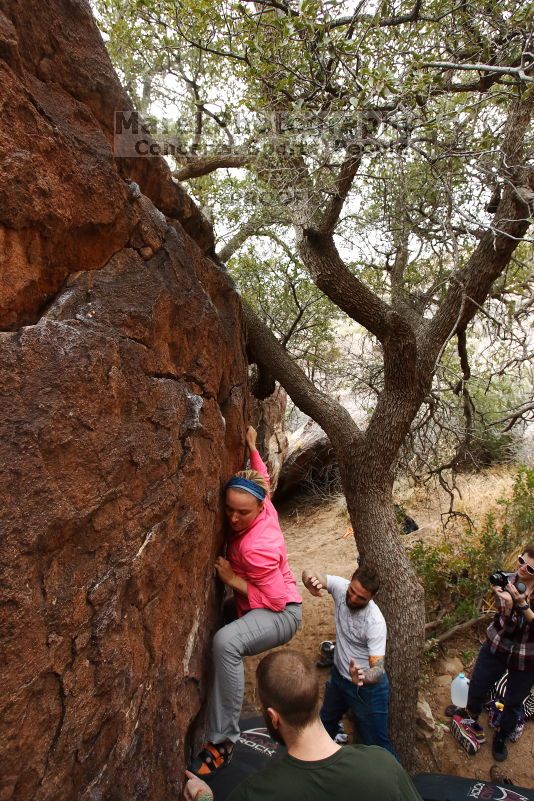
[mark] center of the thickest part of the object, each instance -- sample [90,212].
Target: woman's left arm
[256,462]
[264,586]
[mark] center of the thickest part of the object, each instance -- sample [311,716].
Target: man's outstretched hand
[195,789]
[313,584]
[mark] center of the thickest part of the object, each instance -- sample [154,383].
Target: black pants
[488,670]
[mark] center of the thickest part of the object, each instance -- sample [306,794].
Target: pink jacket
[259,555]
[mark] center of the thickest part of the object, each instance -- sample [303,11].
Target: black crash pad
[254,750]
[436,787]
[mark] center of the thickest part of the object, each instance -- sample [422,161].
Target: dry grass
[478,494]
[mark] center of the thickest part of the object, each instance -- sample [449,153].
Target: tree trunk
[370,505]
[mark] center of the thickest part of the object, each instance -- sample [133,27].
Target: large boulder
[122,389]
[309,464]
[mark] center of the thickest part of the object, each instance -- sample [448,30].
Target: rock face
[122,386]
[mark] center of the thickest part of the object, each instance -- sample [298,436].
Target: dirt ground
[314,534]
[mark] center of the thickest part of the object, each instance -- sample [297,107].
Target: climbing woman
[267,603]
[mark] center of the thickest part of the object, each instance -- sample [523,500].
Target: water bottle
[459,690]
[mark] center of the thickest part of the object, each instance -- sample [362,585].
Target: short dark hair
[287,682]
[367,577]
[529,549]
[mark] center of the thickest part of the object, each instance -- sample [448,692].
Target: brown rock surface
[64,203]
[121,415]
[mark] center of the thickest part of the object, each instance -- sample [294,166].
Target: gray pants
[257,631]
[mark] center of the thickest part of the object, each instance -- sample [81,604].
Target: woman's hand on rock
[224,570]
[250,438]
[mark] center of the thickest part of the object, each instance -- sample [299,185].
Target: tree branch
[253,227]
[348,170]
[203,165]
[470,286]
[335,421]
[340,22]
[518,72]
[385,22]
[513,418]
[455,630]
[322,260]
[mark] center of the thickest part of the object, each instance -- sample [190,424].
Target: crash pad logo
[492,792]
[259,740]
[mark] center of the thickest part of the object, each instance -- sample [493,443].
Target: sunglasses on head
[529,568]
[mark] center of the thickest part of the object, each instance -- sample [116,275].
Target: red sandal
[212,758]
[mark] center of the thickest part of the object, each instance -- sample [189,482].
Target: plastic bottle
[459,690]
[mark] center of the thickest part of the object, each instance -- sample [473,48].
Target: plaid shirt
[511,638]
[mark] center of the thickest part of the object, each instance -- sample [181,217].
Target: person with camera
[509,646]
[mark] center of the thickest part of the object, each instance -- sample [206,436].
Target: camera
[501,579]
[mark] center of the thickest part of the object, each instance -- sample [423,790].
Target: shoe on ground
[326,650]
[478,731]
[474,728]
[499,749]
[212,758]
[462,729]
[327,647]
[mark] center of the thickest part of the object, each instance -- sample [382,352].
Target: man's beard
[355,606]
[274,733]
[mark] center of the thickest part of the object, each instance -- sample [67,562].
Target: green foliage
[468,655]
[455,573]
[294,88]
[300,87]
[285,297]
[491,446]
[520,509]
[501,379]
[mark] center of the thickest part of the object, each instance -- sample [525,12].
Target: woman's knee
[289,628]
[224,643]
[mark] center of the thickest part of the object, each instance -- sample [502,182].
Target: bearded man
[358,680]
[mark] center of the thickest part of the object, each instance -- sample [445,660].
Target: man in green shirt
[315,768]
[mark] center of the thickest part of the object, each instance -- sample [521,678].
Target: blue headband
[248,486]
